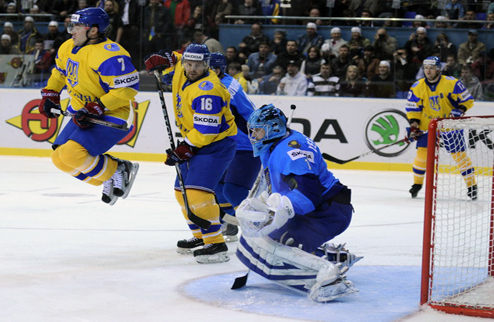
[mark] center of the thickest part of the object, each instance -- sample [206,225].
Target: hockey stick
[123,127]
[203,223]
[339,161]
[242,280]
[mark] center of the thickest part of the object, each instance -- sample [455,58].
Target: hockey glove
[160,61]
[49,100]
[458,112]
[81,118]
[413,132]
[181,154]
[283,211]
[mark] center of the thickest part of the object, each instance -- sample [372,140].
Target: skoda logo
[386,128]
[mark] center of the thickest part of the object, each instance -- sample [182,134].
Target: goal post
[458,244]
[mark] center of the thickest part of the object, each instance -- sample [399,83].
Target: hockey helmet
[218,60]
[197,52]
[265,126]
[90,17]
[432,61]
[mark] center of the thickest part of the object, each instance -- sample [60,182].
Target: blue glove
[456,113]
[168,78]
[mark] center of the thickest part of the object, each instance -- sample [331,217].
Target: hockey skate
[212,253]
[472,192]
[186,246]
[108,196]
[229,232]
[124,177]
[414,190]
[329,287]
[339,255]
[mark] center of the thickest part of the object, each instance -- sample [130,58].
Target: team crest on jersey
[294,144]
[206,86]
[434,103]
[72,72]
[296,154]
[112,47]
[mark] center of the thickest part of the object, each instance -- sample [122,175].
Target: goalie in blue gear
[305,207]
[242,171]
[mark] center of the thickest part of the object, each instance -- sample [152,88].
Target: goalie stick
[242,280]
[203,223]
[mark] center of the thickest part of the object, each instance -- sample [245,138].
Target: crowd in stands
[309,64]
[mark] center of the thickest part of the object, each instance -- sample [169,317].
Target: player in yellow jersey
[202,113]
[102,83]
[438,96]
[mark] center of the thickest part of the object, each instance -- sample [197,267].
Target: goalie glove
[282,208]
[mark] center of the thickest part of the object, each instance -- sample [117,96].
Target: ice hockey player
[438,96]
[306,207]
[202,113]
[244,168]
[102,83]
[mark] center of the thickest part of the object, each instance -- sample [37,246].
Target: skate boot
[414,190]
[185,246]
[339,255]
[212,253]
[124,177]
[229,232]
[108,196]
[472,192]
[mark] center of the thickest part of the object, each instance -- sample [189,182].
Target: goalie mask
[266,125]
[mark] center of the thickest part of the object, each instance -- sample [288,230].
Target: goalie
[282,233]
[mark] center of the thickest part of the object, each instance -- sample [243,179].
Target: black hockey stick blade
[240,281]
[337,161]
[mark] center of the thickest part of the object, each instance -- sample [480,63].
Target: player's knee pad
[57,161]
[203,204]
[72,154]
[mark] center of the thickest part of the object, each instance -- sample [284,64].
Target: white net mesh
[462,215]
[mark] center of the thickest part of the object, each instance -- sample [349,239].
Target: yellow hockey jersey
[428,101]
[101,71]
[201,108]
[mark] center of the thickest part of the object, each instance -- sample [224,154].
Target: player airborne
[102,83]
[438,96]
[202,113]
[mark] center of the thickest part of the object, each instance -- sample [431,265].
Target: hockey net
[458,251]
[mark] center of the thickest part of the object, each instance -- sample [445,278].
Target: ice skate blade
[220,257]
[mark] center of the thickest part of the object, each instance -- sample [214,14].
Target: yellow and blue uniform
[95,72]
[427,101]
[203,116]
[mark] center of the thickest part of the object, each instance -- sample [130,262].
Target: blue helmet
[432,61]
[90,17]
[218,60]
[197,52]
[265,126]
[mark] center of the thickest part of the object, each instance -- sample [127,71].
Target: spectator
[452,67]
[11,7]
[43,63]
[294,82]
[157,27]
[312,64]
[418,46]
[235,70]
[368,22]
[221,8]
[28,36]
[339,64]
[8,28]
[468,18]
[490,22]
[252,84]
[269,83]
[198,21]
[316,13]
[290,54]
[453,10]
[270,8]
[185,43]
[250,43]
[483,69]
[34,10]
[278,44]
[368,65]
[130,13]
[180,14]
[213,45]
[324,84]
[82,4]
[442,23]
[404,70]
[53,39]
[472,83]
[231,56]
[309,39]
[357,39]
[444,46]
[384,45]
[7,48]
[66,35]
[352,85]
[248,8]
[469,52]
[63,8]
[382,85]
[417,22]
[262,62]
[331,47]
[116,24]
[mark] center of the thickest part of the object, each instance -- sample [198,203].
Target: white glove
[254,209]
[283,210]
[325,47]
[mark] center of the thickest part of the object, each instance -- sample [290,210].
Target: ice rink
[66,256]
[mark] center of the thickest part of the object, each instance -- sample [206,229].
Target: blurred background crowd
[351,48]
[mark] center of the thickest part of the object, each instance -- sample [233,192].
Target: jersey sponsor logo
[294,144]
[206,86]
[72,72]
[296,154]
[206,120]
[112,47]
[126,80]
